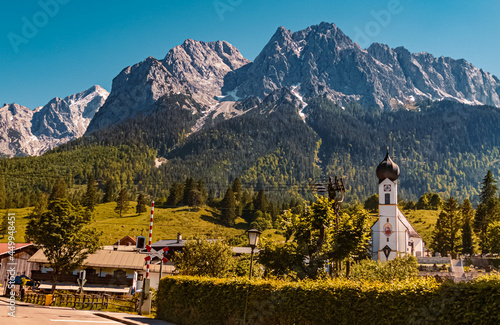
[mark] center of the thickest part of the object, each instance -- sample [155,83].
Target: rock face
[196,68]
[16,138]
[322,60]
[27,132]
[317,61]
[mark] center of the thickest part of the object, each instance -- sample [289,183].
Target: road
[28,314]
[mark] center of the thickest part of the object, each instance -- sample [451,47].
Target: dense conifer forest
[441,147]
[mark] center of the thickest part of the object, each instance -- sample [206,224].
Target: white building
[392,234]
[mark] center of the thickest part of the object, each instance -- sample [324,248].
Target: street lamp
[253,241]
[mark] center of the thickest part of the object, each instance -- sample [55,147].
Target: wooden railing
[72,300]
[91,279]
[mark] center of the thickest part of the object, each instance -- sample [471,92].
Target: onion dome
[387,169]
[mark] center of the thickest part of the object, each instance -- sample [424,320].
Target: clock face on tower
[387,187]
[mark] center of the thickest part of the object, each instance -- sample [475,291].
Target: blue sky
[74,44]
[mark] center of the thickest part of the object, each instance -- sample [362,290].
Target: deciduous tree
[212,258]
[62,235]
[319,243]
[371,203]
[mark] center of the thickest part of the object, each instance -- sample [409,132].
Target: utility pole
[336,191]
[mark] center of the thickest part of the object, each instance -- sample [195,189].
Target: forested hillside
[442,147]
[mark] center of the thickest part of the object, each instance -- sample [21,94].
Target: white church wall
[375,240]
[388,187]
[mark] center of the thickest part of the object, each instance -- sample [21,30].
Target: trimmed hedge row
[193,300]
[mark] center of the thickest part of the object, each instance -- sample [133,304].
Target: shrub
[194,300]
[400,268]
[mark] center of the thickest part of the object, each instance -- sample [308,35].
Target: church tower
[392,234]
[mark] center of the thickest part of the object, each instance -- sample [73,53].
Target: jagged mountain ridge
[322,60]
[195,68]
[33,132]
[317,61]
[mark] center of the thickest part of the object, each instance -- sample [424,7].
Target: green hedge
[192,300]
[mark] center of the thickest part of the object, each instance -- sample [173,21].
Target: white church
[392,234]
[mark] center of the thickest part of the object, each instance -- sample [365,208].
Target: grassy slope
[202,223]
[167,223]
[21,220]
[423,221]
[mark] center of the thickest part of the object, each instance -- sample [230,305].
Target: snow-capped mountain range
[32,132]
[322,60]
[317,61]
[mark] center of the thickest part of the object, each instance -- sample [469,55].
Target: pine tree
[261,202]
[59,190]
[90,198]
[189,187]
[175,195]
[200,186]
[141,204]
[41,204]
[211,197]
[467,217]
[228,208]
[487,209]
[444,238]
[122,202]
[109,190]
[441,235]
[435,201]
[236,187]
[493,233]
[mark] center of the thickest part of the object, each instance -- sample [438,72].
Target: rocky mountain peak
[203,65]
[32,132]
[194,67]
[322,60]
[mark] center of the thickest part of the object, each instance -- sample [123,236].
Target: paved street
[28,314]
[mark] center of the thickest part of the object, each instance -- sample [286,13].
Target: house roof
[121,259]
[127,240]
[4,247]
[172,243]
[407,224]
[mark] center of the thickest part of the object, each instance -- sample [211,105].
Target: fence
[82,301]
